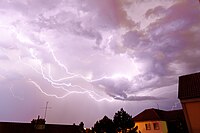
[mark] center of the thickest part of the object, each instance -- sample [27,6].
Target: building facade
[159,121]
[189,95]
[152,126]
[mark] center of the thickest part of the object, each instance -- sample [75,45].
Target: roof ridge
[156,113]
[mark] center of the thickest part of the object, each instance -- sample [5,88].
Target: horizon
[39,117]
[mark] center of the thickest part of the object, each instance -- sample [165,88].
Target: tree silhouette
[81,127]
[104,125]
[123,121]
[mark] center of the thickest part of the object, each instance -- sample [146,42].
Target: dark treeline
[122,122]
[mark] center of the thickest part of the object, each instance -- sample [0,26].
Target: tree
[96,127]
[104,125]
[81,127]
[124,121]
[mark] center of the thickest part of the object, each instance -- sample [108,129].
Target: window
[148,126]
[156,126]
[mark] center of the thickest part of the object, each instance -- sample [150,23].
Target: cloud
[135,40]
[115,16]
[123,89]
[3,57]
[153,49]
[139,98]
[114,87]
[174,34]
[155,12]
[166,46]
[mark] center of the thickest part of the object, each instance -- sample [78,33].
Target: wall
[191,111]
[162,127]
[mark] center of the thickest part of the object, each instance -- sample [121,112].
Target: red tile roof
[189,86]
[158,115]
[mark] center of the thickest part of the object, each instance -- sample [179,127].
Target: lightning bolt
[176,105]
[70,92]
[60,83]
[73,75]
[13,94]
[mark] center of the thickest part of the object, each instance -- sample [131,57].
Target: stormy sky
[89,58]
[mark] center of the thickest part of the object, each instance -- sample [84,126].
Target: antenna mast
[46,108]
[157,106]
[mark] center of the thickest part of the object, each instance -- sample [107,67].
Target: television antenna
[157,106]
[46,108]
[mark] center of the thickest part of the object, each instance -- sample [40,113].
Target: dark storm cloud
[114,87]
[167,45]
[135,40]
[115,14]
[123,89]
[138,98]
[176,33]
[155,12]
[89,33]
[65,22]
[158,48]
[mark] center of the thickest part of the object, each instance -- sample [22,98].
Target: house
[37,126]
[189,95]
[159,121]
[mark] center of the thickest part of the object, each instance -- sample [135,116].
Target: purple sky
[89,58]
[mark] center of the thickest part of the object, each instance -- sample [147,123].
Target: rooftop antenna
[46,108]
[157,106]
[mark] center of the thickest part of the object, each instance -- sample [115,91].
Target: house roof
[53,128]
[11,127]
[189,86]
[159,115]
